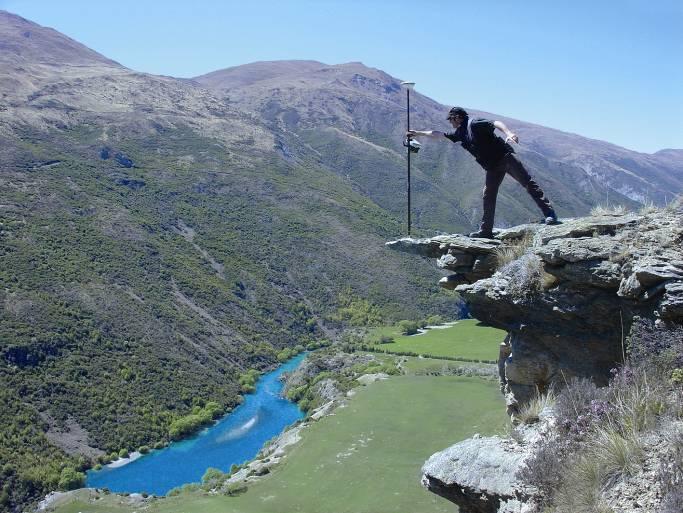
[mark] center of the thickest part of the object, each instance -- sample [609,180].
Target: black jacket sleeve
[453,136]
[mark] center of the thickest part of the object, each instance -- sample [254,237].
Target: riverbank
[355,443]
[232,440]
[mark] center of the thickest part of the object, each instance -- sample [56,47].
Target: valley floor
[365,457]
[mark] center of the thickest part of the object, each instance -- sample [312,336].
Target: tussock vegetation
[523,270]
[676,204]
[602,434]
[615,454]
[531,411]
[510,252]
[648,208]
[525,276]
[609,210]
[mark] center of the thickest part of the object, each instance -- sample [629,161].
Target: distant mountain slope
[367,106]
[25,41]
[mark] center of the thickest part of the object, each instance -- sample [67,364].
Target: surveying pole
[408,86]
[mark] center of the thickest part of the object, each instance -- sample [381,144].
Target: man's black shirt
[485,145]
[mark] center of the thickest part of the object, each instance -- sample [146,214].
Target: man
[496,156]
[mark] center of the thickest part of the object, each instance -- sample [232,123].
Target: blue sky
[607,69]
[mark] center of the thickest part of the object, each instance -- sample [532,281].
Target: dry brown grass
[510,252]
[676,204]
[524,276]
[531,411]
[609,210]
[648,208]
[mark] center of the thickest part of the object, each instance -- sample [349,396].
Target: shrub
[213,477]
[190,423]
[358,312]
[408,327]
[248,380]
[579,406]
[143,449]
[545,469]
[434,320]
[123,453]
[70,479]
[285,354]
[386,339]
[233,489]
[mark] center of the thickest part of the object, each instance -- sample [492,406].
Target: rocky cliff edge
[567,295]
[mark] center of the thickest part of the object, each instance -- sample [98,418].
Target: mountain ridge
[21,36]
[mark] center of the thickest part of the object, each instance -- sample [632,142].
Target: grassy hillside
[141,278]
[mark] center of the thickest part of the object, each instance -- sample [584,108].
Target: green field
[365,458]
[422,365]
[467,339]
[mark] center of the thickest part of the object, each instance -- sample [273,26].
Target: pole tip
[409,85]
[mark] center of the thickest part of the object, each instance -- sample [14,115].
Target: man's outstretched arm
[433,134]
[509,134]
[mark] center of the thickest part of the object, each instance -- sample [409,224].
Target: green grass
[421,365]
[466,339]
[365,458]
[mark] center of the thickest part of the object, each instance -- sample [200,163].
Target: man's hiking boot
[481,234]
[450,282]
[551,218]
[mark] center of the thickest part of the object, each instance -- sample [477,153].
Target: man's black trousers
[510,165]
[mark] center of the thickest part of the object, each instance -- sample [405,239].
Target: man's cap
[457,111]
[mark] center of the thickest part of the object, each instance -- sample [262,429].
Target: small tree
[434,320]
[386,339]
[70,479]
[408,327]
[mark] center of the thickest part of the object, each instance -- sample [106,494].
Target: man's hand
[434,134]
[511,136]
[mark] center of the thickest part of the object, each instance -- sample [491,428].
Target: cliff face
[567,296]
[569,300]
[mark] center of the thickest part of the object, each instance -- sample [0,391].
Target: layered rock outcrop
[567,295]
[569,300]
